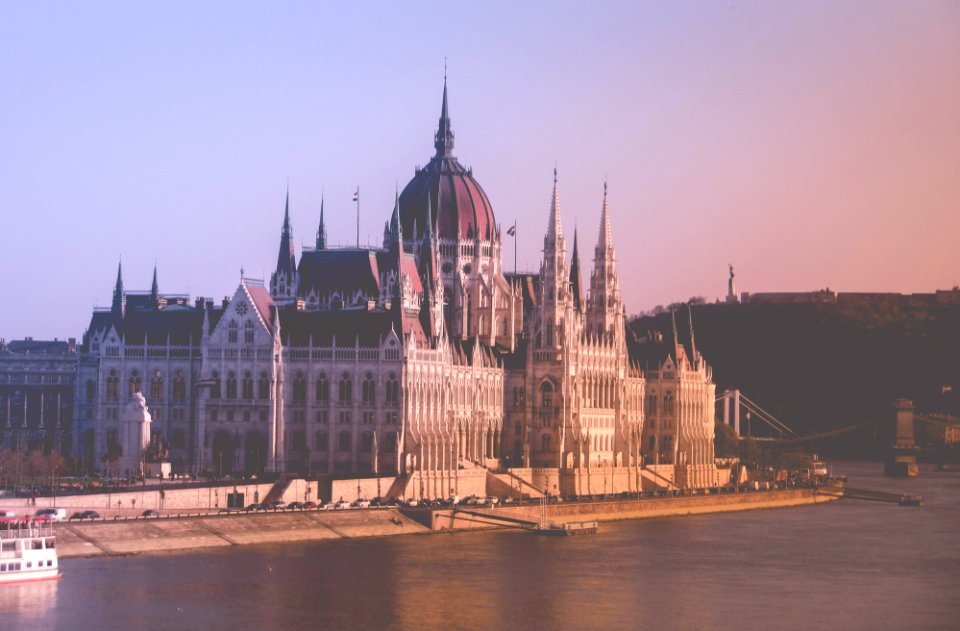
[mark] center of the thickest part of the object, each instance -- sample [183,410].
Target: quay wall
[158,535]
[631,509]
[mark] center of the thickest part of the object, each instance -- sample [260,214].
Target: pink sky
[810,144]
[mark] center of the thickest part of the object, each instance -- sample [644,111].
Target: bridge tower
[902,461]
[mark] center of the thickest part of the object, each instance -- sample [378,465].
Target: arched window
[652,443]
[232,332]
[113,385]
[369,389]
[545,442]
[133,384]
[248,332]
[179,387]
[91,390]
[231,385]
[668,403]
[263,387]
[366,442]
[215,387]
[391,443]
[156,386]
[668,443]
[393,389]
[299,389]
[247,388]
[346,389]
[322,388]
[345,442]
[323,443]
[178,439]
[546,394]
[651,404]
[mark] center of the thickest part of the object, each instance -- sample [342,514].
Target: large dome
[446,191]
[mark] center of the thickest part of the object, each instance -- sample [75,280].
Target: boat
[28,550]
[567,529]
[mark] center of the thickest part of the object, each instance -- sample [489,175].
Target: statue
[157,450]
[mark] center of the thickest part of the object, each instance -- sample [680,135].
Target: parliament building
[422,361]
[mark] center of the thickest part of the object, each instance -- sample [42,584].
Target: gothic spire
[117,305]
[322,230]
[443,141]
[396,230]
[286,261]
[605,239]
[575,285]
[154,289]
[693,341]
[554,224]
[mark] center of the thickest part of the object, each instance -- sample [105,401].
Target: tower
[284,281]
[321,230]
[605,308]
[554,284]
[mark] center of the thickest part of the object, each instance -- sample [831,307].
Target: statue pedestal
[156,469]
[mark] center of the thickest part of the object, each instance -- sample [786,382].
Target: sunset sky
[810,144]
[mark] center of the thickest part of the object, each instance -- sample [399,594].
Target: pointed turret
[693,340]
[605,310]
[322,230]
[443,141]
[575,285]
[555,278]
[286,261]
[396,230]
[554,222]
[284,281]
[119,298]
[154,288]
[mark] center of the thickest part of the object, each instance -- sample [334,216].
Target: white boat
[28,550]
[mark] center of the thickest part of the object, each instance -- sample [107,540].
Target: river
[844,565]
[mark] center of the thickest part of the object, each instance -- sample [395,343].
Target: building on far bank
[421,359]
[36,394]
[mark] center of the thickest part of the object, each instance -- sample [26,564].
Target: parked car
[295,506]
[361,503]
[341,505]
[53,514]
[150,512]
[89,514]
[412,502]
[309,505]
[8,513]
[329,506]
[276,505]
[254,507]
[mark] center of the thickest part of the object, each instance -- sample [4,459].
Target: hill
[821,365]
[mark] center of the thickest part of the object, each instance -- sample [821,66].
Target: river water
[844,565]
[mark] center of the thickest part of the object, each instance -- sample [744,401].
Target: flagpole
[358,217]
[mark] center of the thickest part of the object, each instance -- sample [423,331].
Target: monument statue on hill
[732,295]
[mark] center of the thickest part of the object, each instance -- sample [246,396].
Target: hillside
[817,366]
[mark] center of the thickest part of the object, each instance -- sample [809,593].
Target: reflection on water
[33,602]
[847,565]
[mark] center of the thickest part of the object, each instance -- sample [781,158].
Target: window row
[178,389]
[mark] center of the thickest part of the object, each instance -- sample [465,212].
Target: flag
[512,230]
[356,195]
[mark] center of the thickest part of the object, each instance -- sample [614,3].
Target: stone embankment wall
[632,509]
[211,531]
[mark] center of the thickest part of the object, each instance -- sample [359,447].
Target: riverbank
[176,534]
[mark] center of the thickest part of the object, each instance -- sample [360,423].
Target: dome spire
[443,141]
